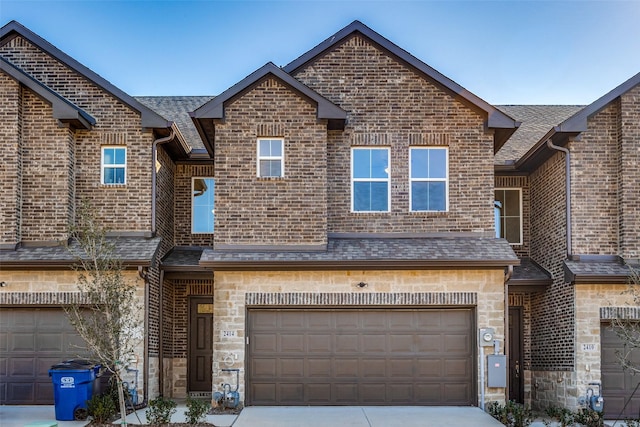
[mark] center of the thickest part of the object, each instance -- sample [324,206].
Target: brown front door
[516,380]
[200,343]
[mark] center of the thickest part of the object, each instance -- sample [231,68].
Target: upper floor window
[202,205]
[508,215]
[113,168]
[370,189]
[270,157]
[428,178]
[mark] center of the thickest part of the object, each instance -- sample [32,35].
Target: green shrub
[511,414]
[561,415]
[160,410]
[584,416]
[589,418]
[196,410]
[102,408]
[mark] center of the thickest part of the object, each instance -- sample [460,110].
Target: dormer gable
[204,116]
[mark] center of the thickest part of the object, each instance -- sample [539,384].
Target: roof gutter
[567,162]
[154,177]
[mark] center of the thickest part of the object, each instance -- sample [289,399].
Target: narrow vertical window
[429,179]
[270,157]
[508,205]
[202,205]
[113,168]
[370,189]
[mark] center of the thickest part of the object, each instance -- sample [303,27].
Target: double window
[428,178]
[508,214]
[270,157]
[202,205]
[370,180]
[113,169]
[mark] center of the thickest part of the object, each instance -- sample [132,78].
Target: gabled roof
[176,109]
[150,119]
[214,109]
[503,125]
[63,109]
[536,121]
[572,126]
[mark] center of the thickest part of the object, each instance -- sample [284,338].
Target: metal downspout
[154,178]
[507,276]
[160,340]
[144,274]
[567,161]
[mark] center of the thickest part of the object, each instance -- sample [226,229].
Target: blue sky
[506,52]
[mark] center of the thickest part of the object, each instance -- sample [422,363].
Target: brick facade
[389,104]
[182,204]
[521,182]
[594,184]
[120,208]
[11,166]
[629,184]
[291,210]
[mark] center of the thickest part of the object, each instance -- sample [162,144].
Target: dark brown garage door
[31,340]
[617,385]
[361,357]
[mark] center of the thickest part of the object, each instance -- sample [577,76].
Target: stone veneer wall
[596,304]
[235,291]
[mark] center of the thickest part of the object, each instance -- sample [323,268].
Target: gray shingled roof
[528,272]
[596,272]
[376,253]
[182,257]
[536,120]
[177,109]
[130,250]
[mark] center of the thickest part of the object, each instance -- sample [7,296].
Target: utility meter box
[497,370]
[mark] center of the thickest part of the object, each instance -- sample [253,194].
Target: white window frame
[104,166]
[270,158]
[521,216]
[193,210]
[387,179]
[445,179]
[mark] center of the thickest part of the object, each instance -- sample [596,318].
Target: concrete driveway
[365,416]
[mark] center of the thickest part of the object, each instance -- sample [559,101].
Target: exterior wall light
[362,285]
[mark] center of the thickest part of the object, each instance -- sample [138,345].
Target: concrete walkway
[294,416]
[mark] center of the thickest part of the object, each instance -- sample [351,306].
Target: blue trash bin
[72,387]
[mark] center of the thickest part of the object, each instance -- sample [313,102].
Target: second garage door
[31,340]
[361,357]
